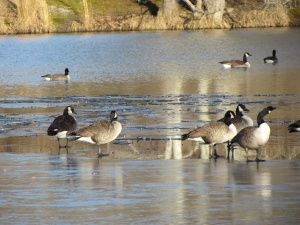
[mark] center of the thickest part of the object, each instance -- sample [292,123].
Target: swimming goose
[237,63]
[294,127]
[62,125]
[98,133]
[254,138]
[213,133]
[56,77]
[271,59]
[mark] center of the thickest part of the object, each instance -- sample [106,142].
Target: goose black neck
[227,118]
[66,112]
[113,116]
[260,117]
[113,119]
[245,58]
[238,112]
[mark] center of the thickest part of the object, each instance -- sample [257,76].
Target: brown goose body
[62,125]
[57,77]
[254,138]
[98,133]
[237,63]
[213,132]
[240,121]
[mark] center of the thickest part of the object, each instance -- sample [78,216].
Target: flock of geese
[226,64]
[233,128]
[244,63]
[102,132]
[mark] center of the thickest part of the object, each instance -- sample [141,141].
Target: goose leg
[230,147]
[210,151]
[67,145]
[99,152]
[58,146]
[215,152]
[248,160]
[258,153]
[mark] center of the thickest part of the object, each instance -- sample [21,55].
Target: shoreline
[44,17]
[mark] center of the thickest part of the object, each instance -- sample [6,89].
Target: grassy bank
[42,16]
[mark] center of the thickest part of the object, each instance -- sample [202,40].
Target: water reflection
[139,190]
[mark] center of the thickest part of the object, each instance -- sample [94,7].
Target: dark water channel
[161,84]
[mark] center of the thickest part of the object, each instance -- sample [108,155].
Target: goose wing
[62,123]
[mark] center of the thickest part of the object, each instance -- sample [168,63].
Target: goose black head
[265,111]
[228,115]
[69,110]
[113,115]
[66,71]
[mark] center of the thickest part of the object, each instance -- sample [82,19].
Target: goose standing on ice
[62,125]
[240,121]
[254,138]
[237,63]
[213,133]
[98,133]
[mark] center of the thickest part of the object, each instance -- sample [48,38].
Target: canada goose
[240,120]
[98,133]
[213,133]
[254,138]
[237,63]
[271,59]
[62,125]
[294,127]
[56,77]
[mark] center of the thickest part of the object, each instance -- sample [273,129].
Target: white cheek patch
[69,110]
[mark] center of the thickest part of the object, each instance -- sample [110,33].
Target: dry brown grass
[269,17]
[33,17]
